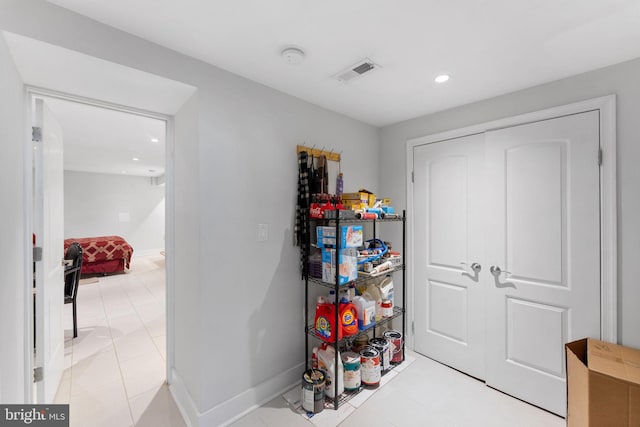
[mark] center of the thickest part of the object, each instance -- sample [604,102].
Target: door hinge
[413,327]
[38,374]
[37,253]
[36,134]
[599,156]
[412,176]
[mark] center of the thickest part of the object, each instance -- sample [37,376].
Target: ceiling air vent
[356,70]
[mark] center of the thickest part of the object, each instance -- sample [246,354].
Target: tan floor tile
[156,408]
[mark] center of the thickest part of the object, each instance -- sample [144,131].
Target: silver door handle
[496,271]
[476,267]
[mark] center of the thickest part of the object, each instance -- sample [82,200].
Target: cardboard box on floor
[603,384]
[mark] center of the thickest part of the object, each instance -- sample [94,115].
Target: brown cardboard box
[603,384]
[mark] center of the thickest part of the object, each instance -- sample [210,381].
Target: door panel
[449,323]
[536,334]
[447,187]
[536,198]
[49,229]
[543,228]
[448,311]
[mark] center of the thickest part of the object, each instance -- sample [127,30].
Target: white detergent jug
[327,362]
[366,308]
[375,293]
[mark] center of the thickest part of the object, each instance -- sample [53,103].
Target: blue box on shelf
[350,236]
[347,264]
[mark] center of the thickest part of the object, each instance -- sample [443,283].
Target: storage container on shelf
[366,308]
[326,361]
[348,317]
[325,321]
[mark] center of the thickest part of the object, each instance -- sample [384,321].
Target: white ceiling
[102,140]
[45,65]
[489,47]
[97,139]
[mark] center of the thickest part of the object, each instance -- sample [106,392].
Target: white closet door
[449,302]
[542,185]
[49,227]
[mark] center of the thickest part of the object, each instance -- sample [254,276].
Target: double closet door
[507,253]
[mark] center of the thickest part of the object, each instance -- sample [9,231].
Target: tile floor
[115,369]
[115,372]
[425,393]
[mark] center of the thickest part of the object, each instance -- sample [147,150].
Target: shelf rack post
[404,281]
[337,310]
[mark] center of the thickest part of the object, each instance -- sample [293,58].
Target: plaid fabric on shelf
[301,237]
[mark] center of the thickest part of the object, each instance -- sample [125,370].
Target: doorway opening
[112,191]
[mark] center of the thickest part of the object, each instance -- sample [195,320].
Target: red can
[370,371]
[395,338]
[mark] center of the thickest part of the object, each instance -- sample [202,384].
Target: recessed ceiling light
[124,171]
[441,78]
[155,140]
[292,55]
[135,159]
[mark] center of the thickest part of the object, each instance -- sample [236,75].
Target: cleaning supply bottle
[325,321]
[366,309]
[348,317]
[386,289]
[321,300]
[375,293]
[327,362]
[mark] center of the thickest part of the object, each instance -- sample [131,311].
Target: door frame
[30,93]
[606,106]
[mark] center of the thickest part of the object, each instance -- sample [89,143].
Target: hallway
[115,369]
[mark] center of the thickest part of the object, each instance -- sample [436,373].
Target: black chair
[72,279]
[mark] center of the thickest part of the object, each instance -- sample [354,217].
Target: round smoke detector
[292,55]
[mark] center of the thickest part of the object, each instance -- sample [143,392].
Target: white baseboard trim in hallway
[238,406]
[183,399]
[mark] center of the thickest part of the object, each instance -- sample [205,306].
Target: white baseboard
[183,399]
[147,252]
[236,407]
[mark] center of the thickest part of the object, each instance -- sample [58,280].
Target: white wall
[252,294]
[12,280]
[244,301]
[622,80]
[188,320]
[94,202]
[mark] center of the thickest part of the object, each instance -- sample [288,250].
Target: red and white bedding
[104,254]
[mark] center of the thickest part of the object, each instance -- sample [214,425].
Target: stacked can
[370,367]
[395,338]
[313,381]
[351,363]
[382,345]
